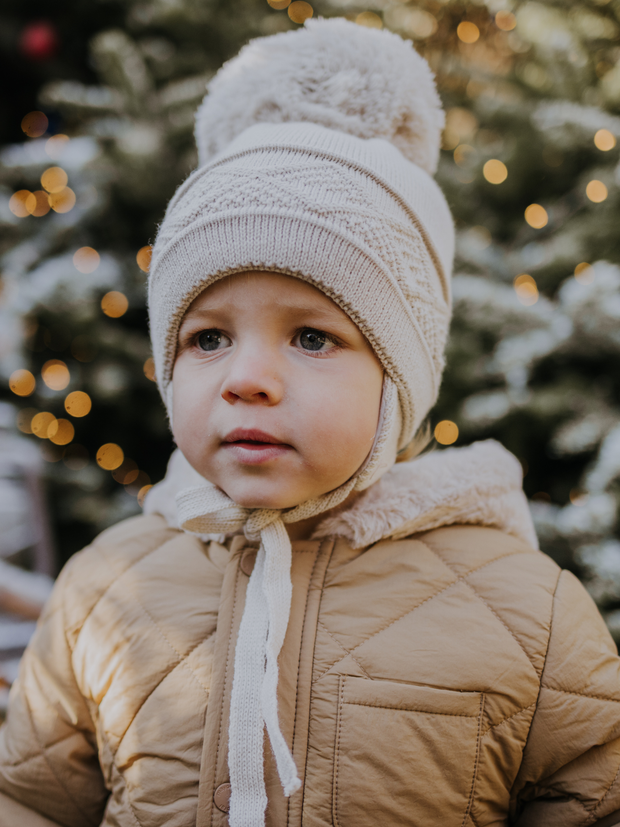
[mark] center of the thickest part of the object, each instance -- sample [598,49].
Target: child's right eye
[210,340]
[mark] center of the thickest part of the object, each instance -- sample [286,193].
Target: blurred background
[96,121]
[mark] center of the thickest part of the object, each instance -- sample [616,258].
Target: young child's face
[276,392]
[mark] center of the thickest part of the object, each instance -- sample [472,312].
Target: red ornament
[39,41]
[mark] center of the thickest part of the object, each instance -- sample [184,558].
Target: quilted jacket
[453,677]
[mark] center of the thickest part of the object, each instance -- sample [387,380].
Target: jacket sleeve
[570,773]
[49,769]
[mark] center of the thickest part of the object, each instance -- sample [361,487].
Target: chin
[251,498]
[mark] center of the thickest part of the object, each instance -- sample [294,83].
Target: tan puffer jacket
[455,677]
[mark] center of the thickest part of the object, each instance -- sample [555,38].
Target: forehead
[257,289]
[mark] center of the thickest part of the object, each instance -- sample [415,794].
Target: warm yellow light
[495,171]
[604,140]
[56,145]
[526,289]
[463,154]
[468,32]
[78,404]
[41,424]
[369,19]
[43,203]
[299,11]
[110,456]
[55,375]
[54,179]
[149,369]
[505,20]
[144,257]
[446,432]
[596,191]
[62,201]
[279,4]
[86,259]
[61,432]
[584,273]
[22,382]
[23,203]
[127,472]
[114,304]
[24,418]
[536,216]
[34,124]
[142,494]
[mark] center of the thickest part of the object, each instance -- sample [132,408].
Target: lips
[251,446]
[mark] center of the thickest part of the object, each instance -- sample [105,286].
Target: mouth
[253,447]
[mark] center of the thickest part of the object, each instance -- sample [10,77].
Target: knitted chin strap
[206,509]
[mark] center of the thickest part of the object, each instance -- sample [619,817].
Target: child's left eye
[314,340]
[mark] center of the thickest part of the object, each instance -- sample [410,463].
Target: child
[298,631]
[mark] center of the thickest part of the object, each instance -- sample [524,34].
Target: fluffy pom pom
[365,82]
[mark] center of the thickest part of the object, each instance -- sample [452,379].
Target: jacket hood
[476,485]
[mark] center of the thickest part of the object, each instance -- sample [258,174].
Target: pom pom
[362,81]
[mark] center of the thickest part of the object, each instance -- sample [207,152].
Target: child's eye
[210,340]
[315,340]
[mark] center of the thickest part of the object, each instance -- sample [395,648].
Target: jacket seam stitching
[509,718]
[303,627]
[344,648]
[337,753]
[581,694]
[476,764]
[606,793]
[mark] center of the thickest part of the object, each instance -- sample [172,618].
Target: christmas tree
[532,94]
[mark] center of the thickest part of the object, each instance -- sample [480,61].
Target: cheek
[191,407]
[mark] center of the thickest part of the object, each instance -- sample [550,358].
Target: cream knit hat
[316,149]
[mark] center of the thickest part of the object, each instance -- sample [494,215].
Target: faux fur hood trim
[477,485]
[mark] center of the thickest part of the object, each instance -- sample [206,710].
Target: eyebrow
[326,313]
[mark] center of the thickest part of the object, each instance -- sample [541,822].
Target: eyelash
[337,344]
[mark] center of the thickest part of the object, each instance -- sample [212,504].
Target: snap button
[247,561]
[221,798]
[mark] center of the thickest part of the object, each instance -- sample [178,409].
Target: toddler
[302,629]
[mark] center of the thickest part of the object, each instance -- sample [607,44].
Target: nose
[253,378]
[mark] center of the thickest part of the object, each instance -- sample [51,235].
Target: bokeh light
[56,145]
[584,273]
[463,154]
[24,419]
[369,19]
[144,257]
[446,432]
[78,403]
[149,369]
[279,4]
[62,201]
[43,203]
[41,422]
[299,11]
[596,191]
[142,494]
[505,20]
[34,124]
[22,382]
[23,203]
[55,375]
[86,260]
[604,140]
[54,179]
[110,456]
[127,472]
[536,216]
[495,171]
[468,32]
[526,289]
[61,432]
[114,304]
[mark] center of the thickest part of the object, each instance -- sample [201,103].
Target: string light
[526,289]
[144,258]
[86,260]
[63,201]
[536,216]
[110,456]
[584,273]
[114,304]
[279,4]
[446,432]
[505,20]
[299,11]
[463,154]
[61,432]
[34,124]
[24,418]
[127,472]
[56,145]
[78,404]
[23,203]
[596,191]
[149,369]
[43,204]
[142,494]
[54,179]
[56,375]
[41,422]
[604,140]
[369,19]
[22,382]
[495,171]
[468,32]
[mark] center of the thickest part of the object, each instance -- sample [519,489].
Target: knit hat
[316,150]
